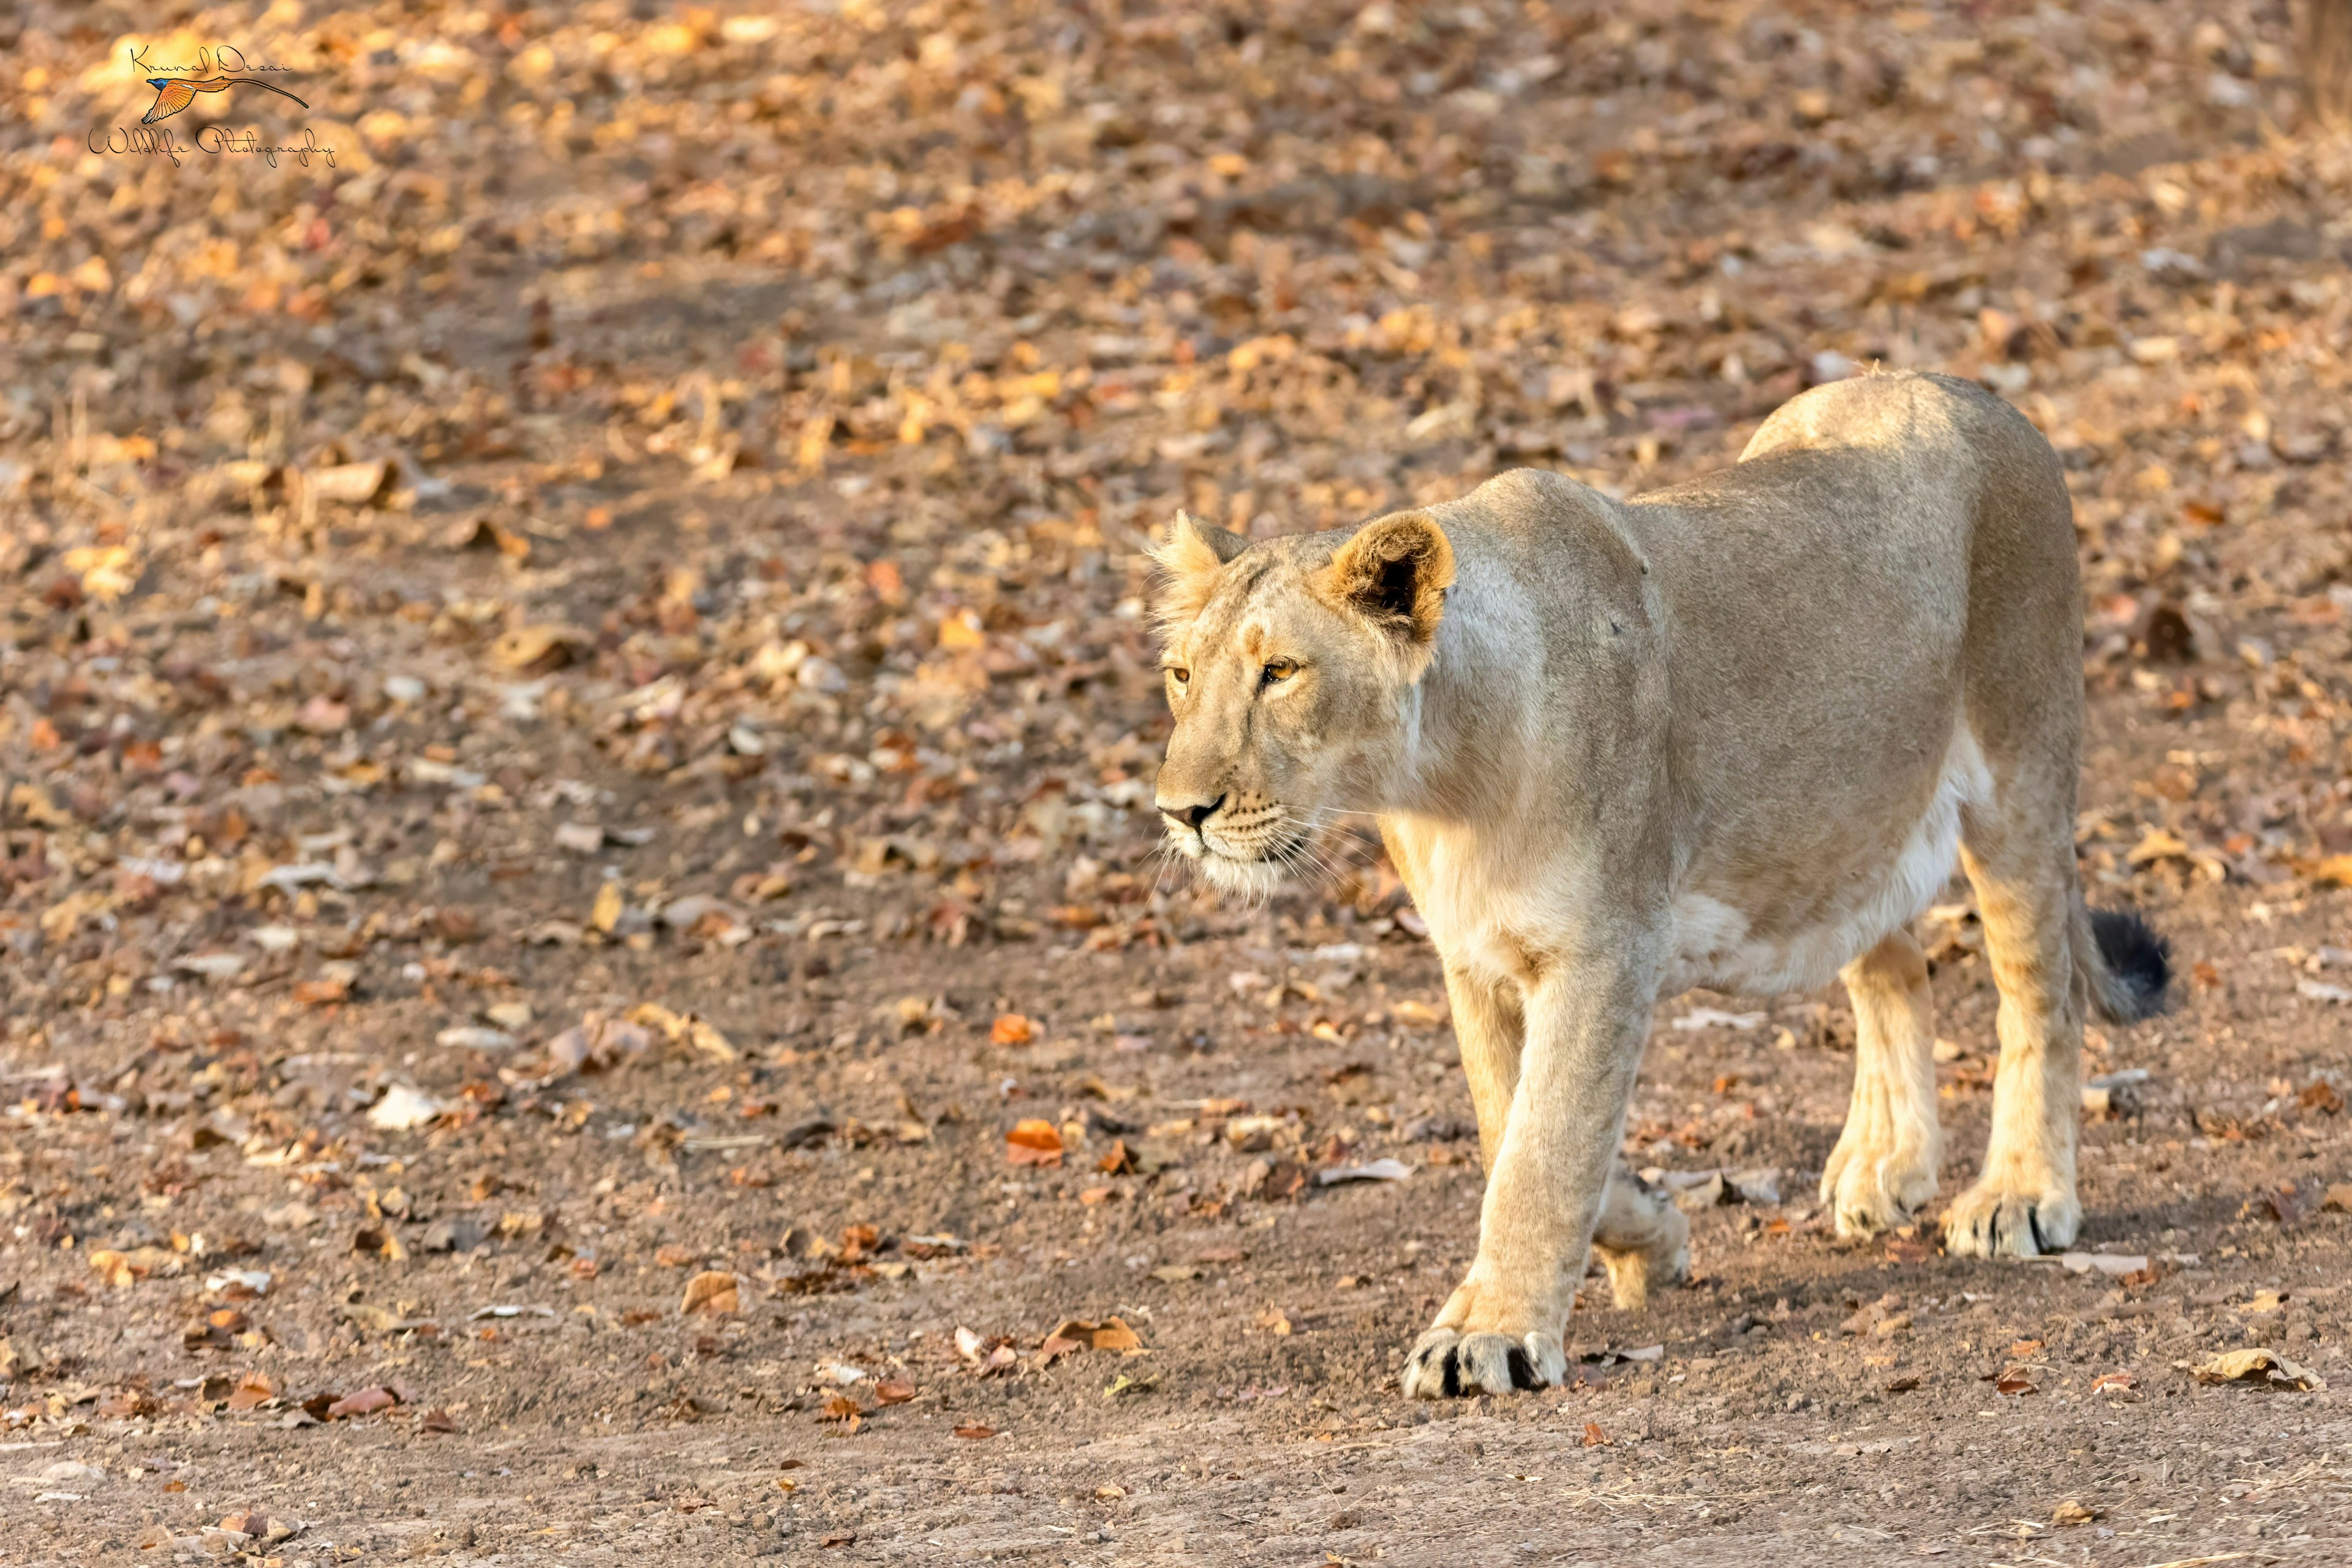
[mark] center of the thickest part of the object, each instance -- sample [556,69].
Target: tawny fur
[1733,733]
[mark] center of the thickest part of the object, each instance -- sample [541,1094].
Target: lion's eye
[1280,670]
[1180,675]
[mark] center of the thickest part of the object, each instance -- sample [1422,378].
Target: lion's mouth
[1251,852]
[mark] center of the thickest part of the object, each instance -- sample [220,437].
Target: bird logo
[172,96]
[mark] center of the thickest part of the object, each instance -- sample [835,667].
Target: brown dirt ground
[773,413]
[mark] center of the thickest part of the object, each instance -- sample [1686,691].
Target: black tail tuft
[2138,959]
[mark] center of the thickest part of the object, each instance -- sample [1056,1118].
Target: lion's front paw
[2000,1218]
[1445,1363]
[1871,1188]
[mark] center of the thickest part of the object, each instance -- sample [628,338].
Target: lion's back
[1915,412]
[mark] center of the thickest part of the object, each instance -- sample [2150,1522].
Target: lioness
[1731,734]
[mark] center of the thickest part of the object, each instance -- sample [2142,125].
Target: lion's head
[1289,665]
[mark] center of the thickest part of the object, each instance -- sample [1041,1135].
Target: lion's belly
[1719,943]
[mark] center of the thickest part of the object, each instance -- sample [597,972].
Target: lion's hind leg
[1642,1239]
[1884,1167]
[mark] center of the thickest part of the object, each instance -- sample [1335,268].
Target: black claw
[1523,1371]
[1453,1374]
[2034,1224]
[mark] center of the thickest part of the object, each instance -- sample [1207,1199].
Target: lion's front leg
[1506,1325]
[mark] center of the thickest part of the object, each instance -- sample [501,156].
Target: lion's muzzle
[1192,815]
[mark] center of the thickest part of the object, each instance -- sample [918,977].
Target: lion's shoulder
[1522,500]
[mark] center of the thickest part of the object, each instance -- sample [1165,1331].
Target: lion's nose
[1191,816]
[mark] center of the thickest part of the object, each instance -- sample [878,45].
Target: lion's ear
[1395,571]
[1188,564]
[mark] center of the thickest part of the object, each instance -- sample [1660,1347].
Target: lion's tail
[2126,965]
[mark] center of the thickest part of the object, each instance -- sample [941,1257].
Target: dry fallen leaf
[1110,1334]
[2333,871]
[1594,1437]
[1011,1030]
[2155,845]
[351,484]
[365,1401]
[686,1028]
[123,1270]
[712,1291]
[974,1429]
[2263,1368]
[403,1107]
[597,1042]
[539,648]
[1034,1142]
[254,1391]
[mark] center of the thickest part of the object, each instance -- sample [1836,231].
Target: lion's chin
[1255,879]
